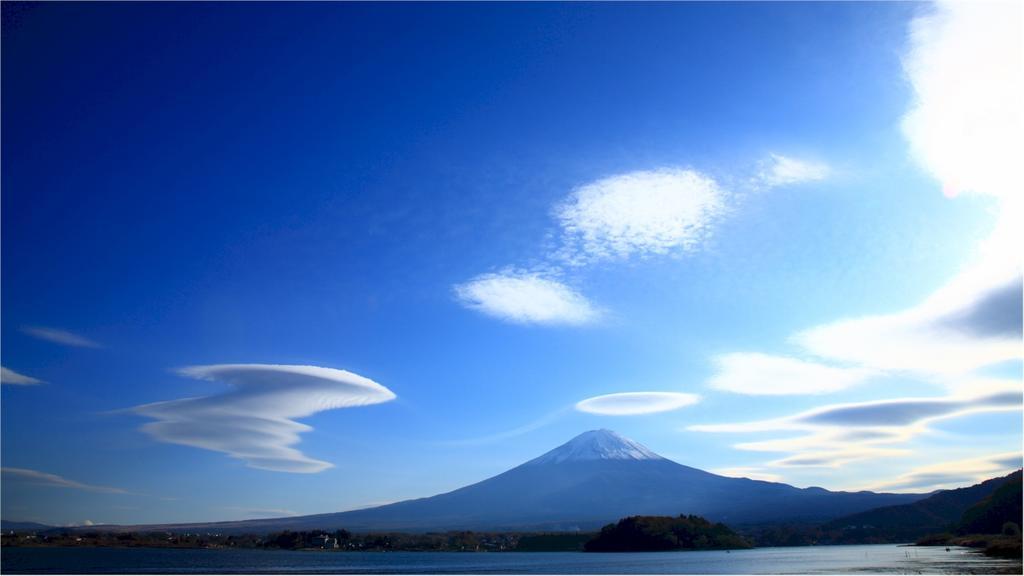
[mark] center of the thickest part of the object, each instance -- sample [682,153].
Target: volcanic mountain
[594,479]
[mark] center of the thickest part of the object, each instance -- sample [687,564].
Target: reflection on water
[886,558]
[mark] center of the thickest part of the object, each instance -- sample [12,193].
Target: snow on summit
[597,445]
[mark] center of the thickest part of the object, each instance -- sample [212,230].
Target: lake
[885,558]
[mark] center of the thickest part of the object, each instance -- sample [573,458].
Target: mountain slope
[908,522]
[990,514]
[596,478]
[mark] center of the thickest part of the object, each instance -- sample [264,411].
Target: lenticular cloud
[254,420]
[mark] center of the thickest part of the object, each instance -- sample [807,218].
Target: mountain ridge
[595,478]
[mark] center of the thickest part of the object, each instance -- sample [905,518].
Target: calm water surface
[887,558]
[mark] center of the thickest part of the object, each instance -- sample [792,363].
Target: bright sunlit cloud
[764,374]
[254,421]
[966,126]
[634,403]
[525,298]
[58,336]
[46,479]
[8,376]
[781,170]
[639,213]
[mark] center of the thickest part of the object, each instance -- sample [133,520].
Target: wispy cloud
[780,170]
[764,374]
[837,457]
[639,213]
[880,414]
[8,376]
[526,298]
[836,434]
[254,420]
[952,474]
[58,336]
[45,479]
[752,472]
[518,431]
[634,403]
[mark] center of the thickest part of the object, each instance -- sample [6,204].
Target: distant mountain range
[594,479]
[981,508]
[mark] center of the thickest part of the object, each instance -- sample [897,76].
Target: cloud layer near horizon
[839,433]
[254,421]
[953,474]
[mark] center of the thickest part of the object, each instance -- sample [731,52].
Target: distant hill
[656,533]
[940,512]
[990,514]
[596,478]
[6,525]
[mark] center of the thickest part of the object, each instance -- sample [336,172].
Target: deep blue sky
[311,184]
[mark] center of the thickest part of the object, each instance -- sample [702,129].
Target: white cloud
[764,374]
[952,474]
[46,479]
[8,376]
[781,170]
[254,420]
[644,212]
[58,336]
[966,66]
[633,403]
[526,298]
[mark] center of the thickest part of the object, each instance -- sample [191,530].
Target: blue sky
[392,249]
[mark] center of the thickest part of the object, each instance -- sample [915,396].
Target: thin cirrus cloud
[526,298]
[639,213]
[781,170]
[635,403]
[8,376]
[28,476]
[254,421]
[58,336]
[764,374]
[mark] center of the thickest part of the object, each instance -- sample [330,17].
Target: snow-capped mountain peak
[597,445]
